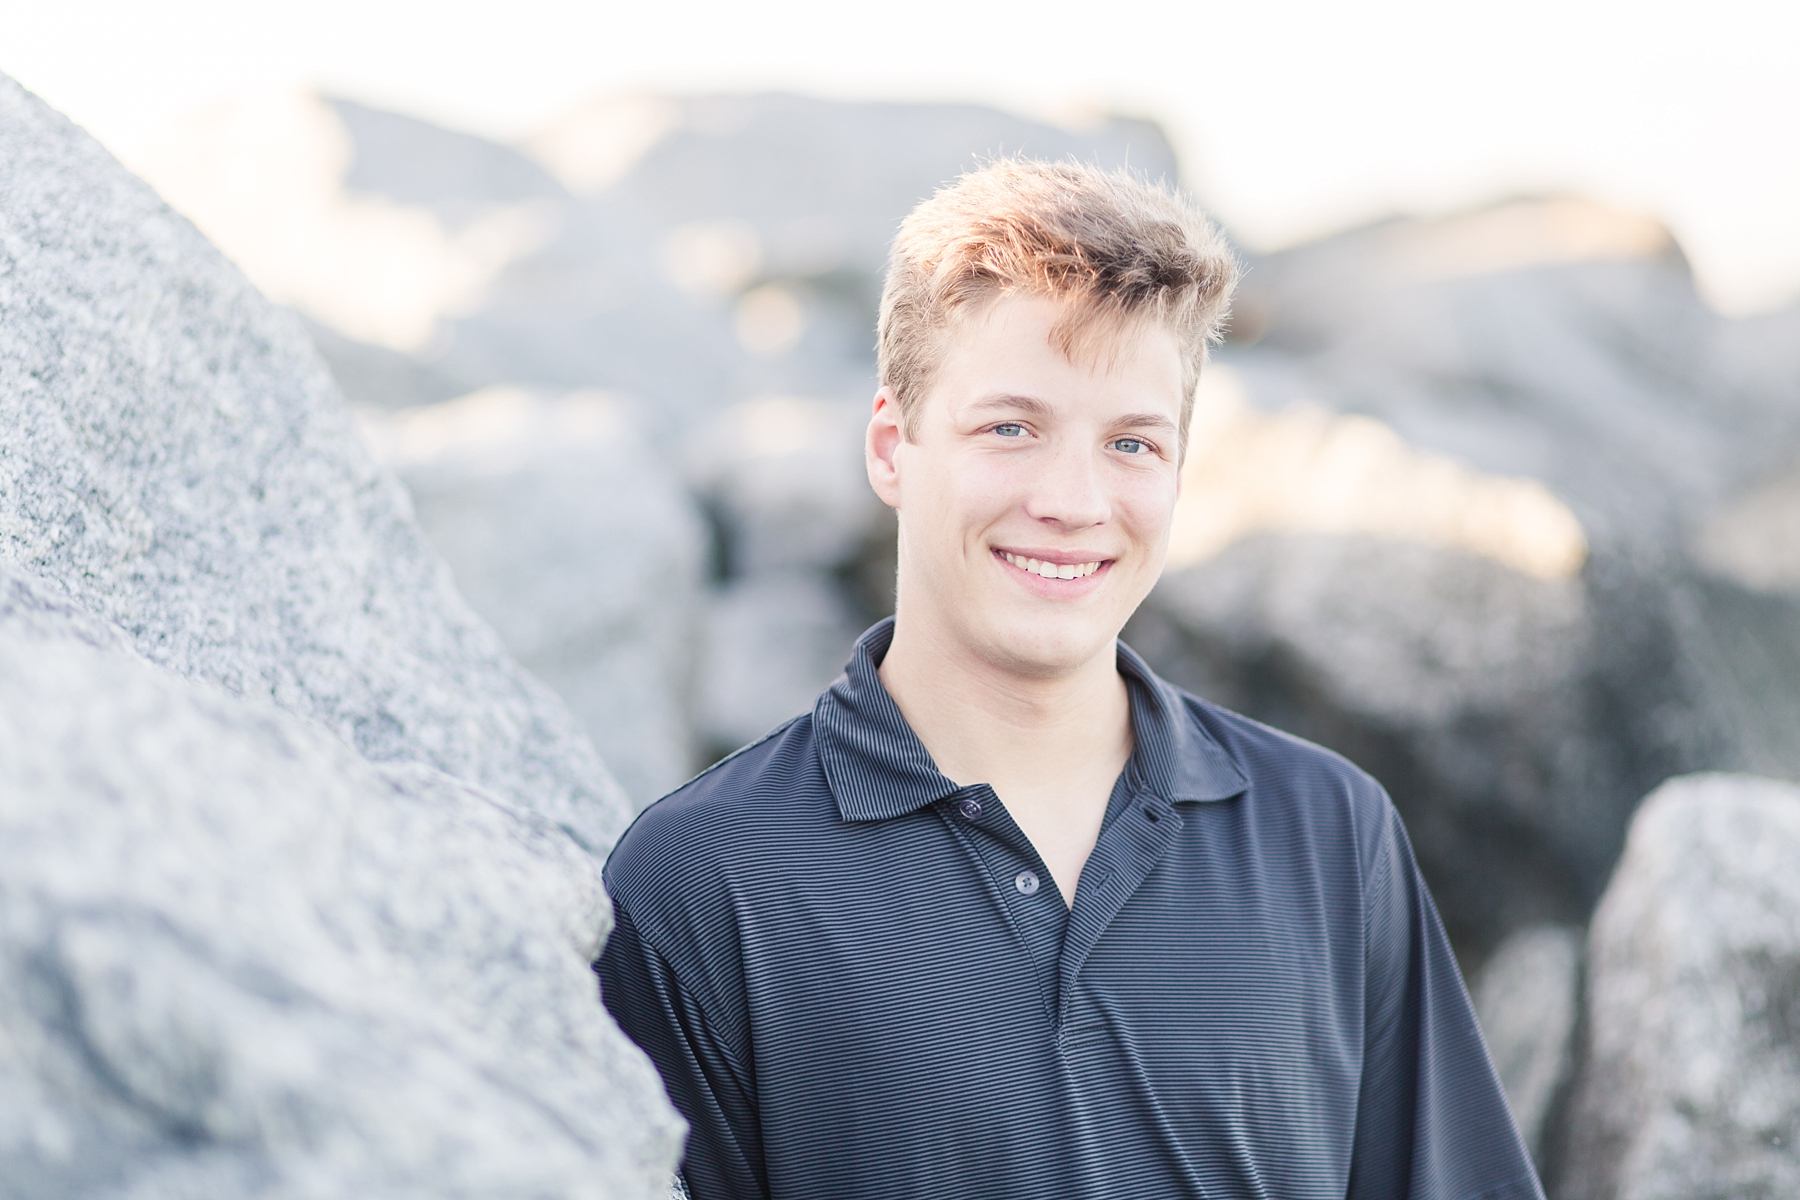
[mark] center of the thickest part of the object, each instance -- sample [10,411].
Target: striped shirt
[859,980]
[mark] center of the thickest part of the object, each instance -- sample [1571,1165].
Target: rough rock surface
[236,958]
[298,864]
[179,462]
[1690,1084]
[569,531]
[1527,996]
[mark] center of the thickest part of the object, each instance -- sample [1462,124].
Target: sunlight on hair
[1112,247]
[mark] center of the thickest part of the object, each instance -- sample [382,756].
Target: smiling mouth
[1050,570]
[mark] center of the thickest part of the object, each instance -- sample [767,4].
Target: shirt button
[1026,882]
[969,807]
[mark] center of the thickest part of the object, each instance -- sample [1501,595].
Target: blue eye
[1010,429]
[1131,446]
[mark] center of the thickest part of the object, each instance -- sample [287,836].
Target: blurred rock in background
[1527,997]
[1691,1084]
[692,253]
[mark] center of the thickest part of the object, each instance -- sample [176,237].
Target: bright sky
[1294,117]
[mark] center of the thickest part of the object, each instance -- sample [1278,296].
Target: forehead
[1012,345]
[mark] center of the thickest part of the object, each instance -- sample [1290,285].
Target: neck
[1027,734]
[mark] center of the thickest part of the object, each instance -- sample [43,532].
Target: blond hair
[1114,249]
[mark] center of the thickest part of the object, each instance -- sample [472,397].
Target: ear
[881,447]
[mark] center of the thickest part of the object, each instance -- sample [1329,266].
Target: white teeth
[1050,570]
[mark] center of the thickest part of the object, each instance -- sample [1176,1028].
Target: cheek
[1146,506]
[973,495]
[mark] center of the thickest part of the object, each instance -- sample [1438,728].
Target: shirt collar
[878,768]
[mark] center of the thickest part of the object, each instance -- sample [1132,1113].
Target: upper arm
[1432,1120]
[707,1076]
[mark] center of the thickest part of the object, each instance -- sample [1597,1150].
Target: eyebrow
[1031,404]
[1007,400]
[1141,420]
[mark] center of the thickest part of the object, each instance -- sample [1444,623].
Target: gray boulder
[1690,1084]
[178,461]
[237,958]
[299,866]
[568,530]
[1527,997]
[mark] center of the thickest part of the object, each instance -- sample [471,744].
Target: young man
[1006,915]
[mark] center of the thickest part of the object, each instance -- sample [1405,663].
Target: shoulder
[1294,782]
[734,810]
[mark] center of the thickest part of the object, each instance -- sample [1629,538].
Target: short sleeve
[706,1078]
[1432,1120]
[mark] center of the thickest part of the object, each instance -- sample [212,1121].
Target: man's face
[1036,497]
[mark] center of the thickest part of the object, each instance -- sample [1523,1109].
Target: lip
[1059,557]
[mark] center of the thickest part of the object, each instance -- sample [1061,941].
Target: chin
[1035,644]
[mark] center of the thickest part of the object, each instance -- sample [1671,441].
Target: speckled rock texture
[179,462]
[298,875]
[1690,1085]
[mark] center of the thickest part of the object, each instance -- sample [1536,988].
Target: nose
[1067,491]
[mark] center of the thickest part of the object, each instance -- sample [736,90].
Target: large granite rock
[1493,504]
[239,959]
[1691,1081]
[179,462]
[569,531]
[299,867]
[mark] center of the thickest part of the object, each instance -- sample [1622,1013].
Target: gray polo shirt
[858,979]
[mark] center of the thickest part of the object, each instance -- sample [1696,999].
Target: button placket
[984,827]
